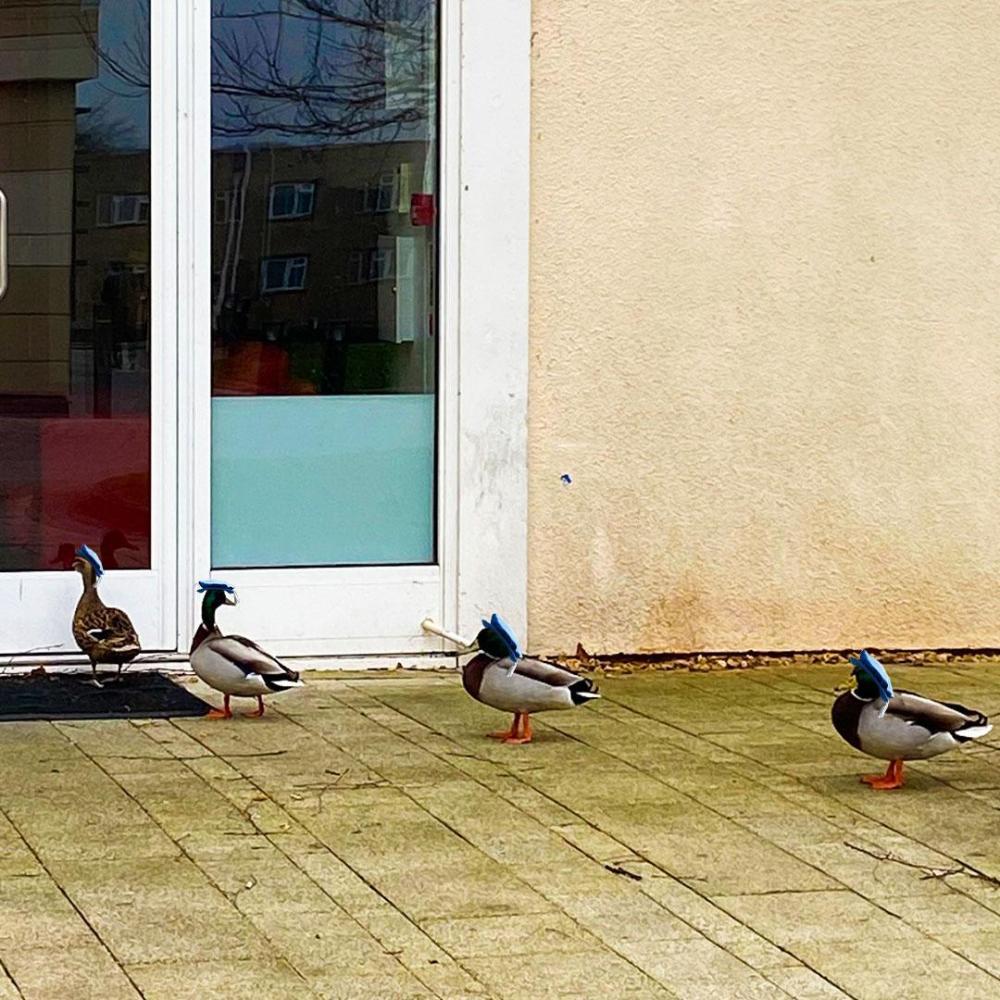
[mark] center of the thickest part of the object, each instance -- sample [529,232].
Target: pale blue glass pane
[322,480]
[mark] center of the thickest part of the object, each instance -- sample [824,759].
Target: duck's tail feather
[281,683]
[582,691]
[975,731]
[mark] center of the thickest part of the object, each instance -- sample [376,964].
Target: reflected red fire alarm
[422,209]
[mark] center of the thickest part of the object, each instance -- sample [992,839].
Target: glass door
[85,424]
[324,320]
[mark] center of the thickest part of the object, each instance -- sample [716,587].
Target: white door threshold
[177,663]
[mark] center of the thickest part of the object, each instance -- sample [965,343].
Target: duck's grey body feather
[534,686]
[911,728]
[237,666]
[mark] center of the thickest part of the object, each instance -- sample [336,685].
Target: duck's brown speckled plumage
[105,634]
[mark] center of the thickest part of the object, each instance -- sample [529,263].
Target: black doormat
[139,695]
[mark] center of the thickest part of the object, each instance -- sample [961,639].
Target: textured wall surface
[764,331]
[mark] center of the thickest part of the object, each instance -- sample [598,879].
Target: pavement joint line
[845,887]
[10,978]
[276,955]
[472,844]
[372,888]
[640,855]
[873,902]
[423,808]
[79,912]
[686,882]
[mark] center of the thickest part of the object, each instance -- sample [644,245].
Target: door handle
[3,244]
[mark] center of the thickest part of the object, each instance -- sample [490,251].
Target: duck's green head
[216,595]
[873,681]
[496,639]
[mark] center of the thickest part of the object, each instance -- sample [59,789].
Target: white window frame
[299,188]
[483,330]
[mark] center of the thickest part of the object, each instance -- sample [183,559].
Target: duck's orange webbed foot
[519,732]
[893,778]
[221,713]
[260,709]
[507,734]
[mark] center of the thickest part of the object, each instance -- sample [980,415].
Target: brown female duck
[105,634]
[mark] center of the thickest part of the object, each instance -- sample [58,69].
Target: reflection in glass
[75,322]
[324,172]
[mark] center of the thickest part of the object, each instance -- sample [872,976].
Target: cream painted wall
[765,329]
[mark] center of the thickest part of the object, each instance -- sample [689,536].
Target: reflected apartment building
[321,281]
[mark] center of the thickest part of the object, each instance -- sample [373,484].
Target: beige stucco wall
[765,334]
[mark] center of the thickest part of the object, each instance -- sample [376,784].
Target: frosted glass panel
[322,480]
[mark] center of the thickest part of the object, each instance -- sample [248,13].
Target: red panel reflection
[80,480]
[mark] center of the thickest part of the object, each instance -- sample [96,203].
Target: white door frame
[40,604]
[482,398]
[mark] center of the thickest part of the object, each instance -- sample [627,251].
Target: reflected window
[122,209]
[379,196]
[292,201]
[283,274]
[228,206]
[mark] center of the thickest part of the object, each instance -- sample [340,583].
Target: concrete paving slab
[688,836]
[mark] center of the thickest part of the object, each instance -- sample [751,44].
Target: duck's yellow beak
[846,686]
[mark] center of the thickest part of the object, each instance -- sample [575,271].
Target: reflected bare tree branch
[335,68]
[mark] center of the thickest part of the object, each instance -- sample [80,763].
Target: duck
[501,676]
[112,541]
[897,725]
[233,664]
[65,556]
[105,634]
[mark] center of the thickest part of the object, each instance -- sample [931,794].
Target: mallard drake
[502,677]
[899,725]
[105,634]
[233,664]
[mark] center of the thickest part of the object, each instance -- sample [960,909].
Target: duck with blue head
[895,725]
[105,634]
[232,664]
[501,676]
